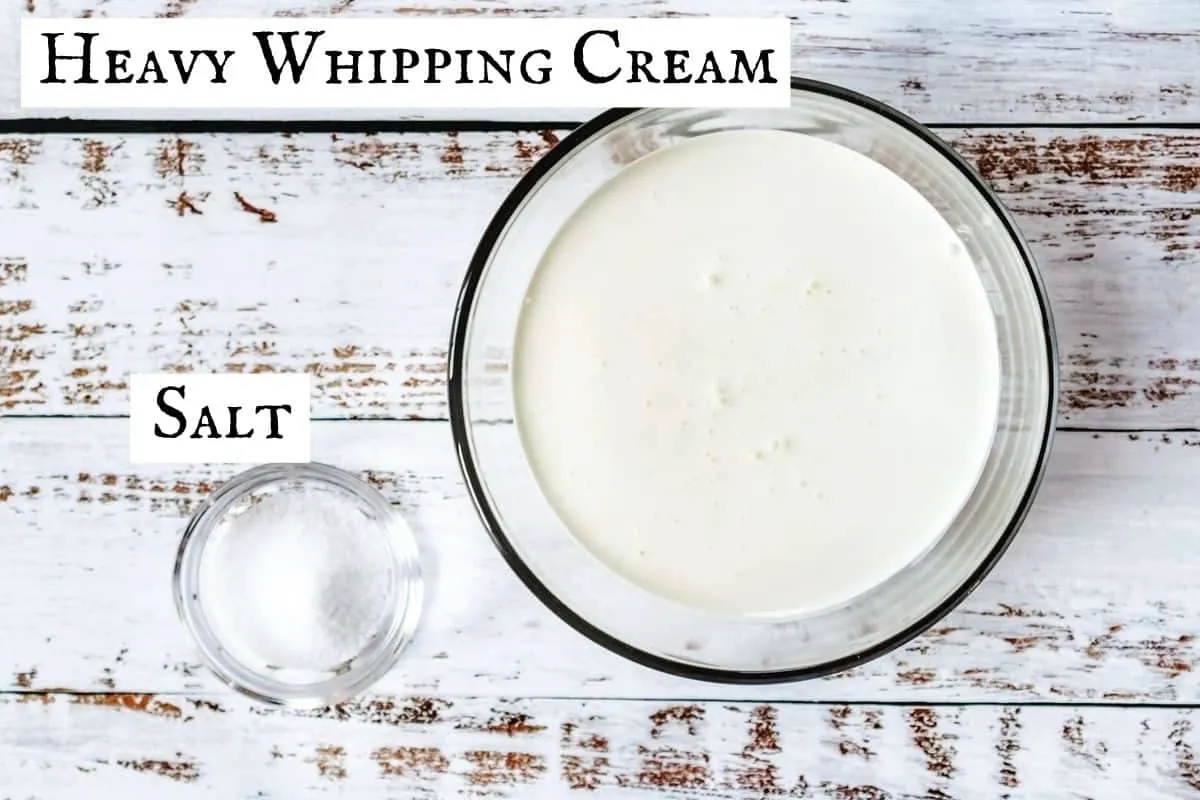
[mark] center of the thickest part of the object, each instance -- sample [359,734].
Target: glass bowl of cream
[299,584]
[753,395]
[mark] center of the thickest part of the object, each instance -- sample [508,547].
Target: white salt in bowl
[299,584]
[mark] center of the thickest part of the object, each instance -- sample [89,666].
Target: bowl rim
[459,424]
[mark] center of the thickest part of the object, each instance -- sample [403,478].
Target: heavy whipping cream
[756,372]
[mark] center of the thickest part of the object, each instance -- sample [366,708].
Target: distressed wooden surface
[174,746]
[940,60]
[199,253]
[1074,670]
[1095,601]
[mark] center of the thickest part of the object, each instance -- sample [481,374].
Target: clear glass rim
[403,619]
[460,422]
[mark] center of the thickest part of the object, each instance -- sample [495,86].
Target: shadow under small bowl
[289,686]
[634,622]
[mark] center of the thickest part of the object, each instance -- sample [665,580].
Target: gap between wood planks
[34,694]
[445,421]
[68,125]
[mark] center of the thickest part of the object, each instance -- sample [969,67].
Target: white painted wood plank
[940,60]
[57,747]
[134,253]
[1096,599]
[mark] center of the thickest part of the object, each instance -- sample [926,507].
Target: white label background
[249,82]
[219,392]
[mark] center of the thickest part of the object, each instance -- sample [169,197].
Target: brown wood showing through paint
[1067,616]
[614,748]
[1074,667]
[1109,215]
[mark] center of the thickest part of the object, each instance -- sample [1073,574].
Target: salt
[299,580]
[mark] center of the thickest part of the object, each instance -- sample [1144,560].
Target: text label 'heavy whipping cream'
[404,63]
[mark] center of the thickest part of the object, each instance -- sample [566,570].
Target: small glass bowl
[630,620]
[299,687]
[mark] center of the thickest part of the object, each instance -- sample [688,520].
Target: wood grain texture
[174,746]
[1016,62]
[342,255]
[1095,600]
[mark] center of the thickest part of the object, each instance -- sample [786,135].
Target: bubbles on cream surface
[757,372]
